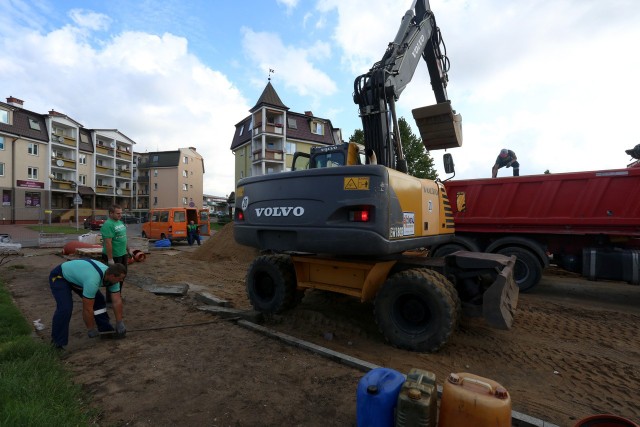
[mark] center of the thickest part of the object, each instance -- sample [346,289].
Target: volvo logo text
[280,211]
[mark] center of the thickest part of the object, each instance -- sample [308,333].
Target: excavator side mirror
[449,167]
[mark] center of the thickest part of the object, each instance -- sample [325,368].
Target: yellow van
[171,223]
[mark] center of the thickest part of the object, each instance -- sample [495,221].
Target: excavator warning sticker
[356,183]
[408,223]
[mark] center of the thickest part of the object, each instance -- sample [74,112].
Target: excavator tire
[271,283]
[415,310]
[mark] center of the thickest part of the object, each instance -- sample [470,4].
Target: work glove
[111,262]
[120,328]
[92,333]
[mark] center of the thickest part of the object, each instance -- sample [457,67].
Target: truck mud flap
[439,125]
[500,300]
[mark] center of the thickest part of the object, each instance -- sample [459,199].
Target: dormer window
[4,116]
[317,128]
[241,130]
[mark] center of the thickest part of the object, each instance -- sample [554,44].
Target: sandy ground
[573,351]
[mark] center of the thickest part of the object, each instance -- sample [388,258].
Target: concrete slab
[227,312]
[168,289]
[211,299]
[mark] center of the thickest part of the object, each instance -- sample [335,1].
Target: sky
[554,81]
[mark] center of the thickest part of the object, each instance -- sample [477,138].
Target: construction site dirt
[574,349]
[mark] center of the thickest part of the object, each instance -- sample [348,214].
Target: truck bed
[593,202]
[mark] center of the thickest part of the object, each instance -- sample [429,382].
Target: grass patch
[35,389]
[64,229]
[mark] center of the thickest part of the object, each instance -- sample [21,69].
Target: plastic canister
[418,400]
[471,400]
[377,396]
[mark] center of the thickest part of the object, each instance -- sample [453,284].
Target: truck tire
[144,235]
[528,270]
[448,249]
[415,311]
[271,283]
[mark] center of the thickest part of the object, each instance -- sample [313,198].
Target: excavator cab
[347,154]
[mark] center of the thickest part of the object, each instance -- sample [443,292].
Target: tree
[419,163]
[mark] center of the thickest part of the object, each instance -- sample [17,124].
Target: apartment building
[264,142]
[52,168]
[157,174]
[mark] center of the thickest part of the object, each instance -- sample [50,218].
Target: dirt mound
[222,245]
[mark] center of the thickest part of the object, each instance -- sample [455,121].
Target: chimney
[308,113]
[53,112]
[15,101]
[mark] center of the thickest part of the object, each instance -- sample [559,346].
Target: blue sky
[556,82]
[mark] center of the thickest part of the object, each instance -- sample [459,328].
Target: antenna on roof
[270,71]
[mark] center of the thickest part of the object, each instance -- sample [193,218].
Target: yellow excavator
[339,223]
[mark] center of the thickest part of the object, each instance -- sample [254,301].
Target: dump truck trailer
[584,222]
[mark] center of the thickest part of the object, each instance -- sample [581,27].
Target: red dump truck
[585,222]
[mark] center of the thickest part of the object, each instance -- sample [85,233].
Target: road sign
[77,200]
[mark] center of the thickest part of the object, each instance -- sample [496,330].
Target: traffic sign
[77,200]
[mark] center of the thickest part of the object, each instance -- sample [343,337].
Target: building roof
[21,124]
[298,126]
[269,97]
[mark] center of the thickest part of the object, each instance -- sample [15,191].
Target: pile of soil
[223,246]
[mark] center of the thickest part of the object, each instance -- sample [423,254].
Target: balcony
[104,189]
[103,149]
[104,170]
[270,155]
[62,162]
[62,184]
[143,178]
[121,153]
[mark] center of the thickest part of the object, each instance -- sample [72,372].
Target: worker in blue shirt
[85,277]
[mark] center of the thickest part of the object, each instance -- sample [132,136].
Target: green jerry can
[418,400]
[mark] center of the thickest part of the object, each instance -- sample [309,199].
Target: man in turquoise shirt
[85,277]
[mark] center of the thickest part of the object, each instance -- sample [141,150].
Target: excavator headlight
[360,214]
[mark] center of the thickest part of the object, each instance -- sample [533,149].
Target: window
[164,216]
[155,201]
[1,169]
[155,172]
[241,130]
[184,200]
[82,179]
[179,216]
[99,162]
[84,138]
[1,141]
[241,174]
[6,197]
[185,174]
[32,149]
[155,186]
[32,173]
[4,116]
[290,147]
[32,200]
[317,128]
[292,123]
[185,187]
[185,160]
[82,159]
[154,158]
[34,124]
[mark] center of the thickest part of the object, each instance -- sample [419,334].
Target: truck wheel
[528,271]
[271,283]
[448,250]
[144,235]
[414,310]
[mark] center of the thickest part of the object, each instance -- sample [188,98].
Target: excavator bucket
[439,125]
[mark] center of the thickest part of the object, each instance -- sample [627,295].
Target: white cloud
[90,20]
[293,65]
[149,87]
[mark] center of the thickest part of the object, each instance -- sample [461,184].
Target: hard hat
[504,152]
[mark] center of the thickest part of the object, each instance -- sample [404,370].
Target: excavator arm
[377,91]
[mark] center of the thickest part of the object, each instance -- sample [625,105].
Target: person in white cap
[506,158]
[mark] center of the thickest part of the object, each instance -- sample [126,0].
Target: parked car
[94,222]
[130,219]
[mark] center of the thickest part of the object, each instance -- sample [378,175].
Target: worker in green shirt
[115,249]
[193,233]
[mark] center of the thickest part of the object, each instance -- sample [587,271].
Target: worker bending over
[506,158]
[85,277]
